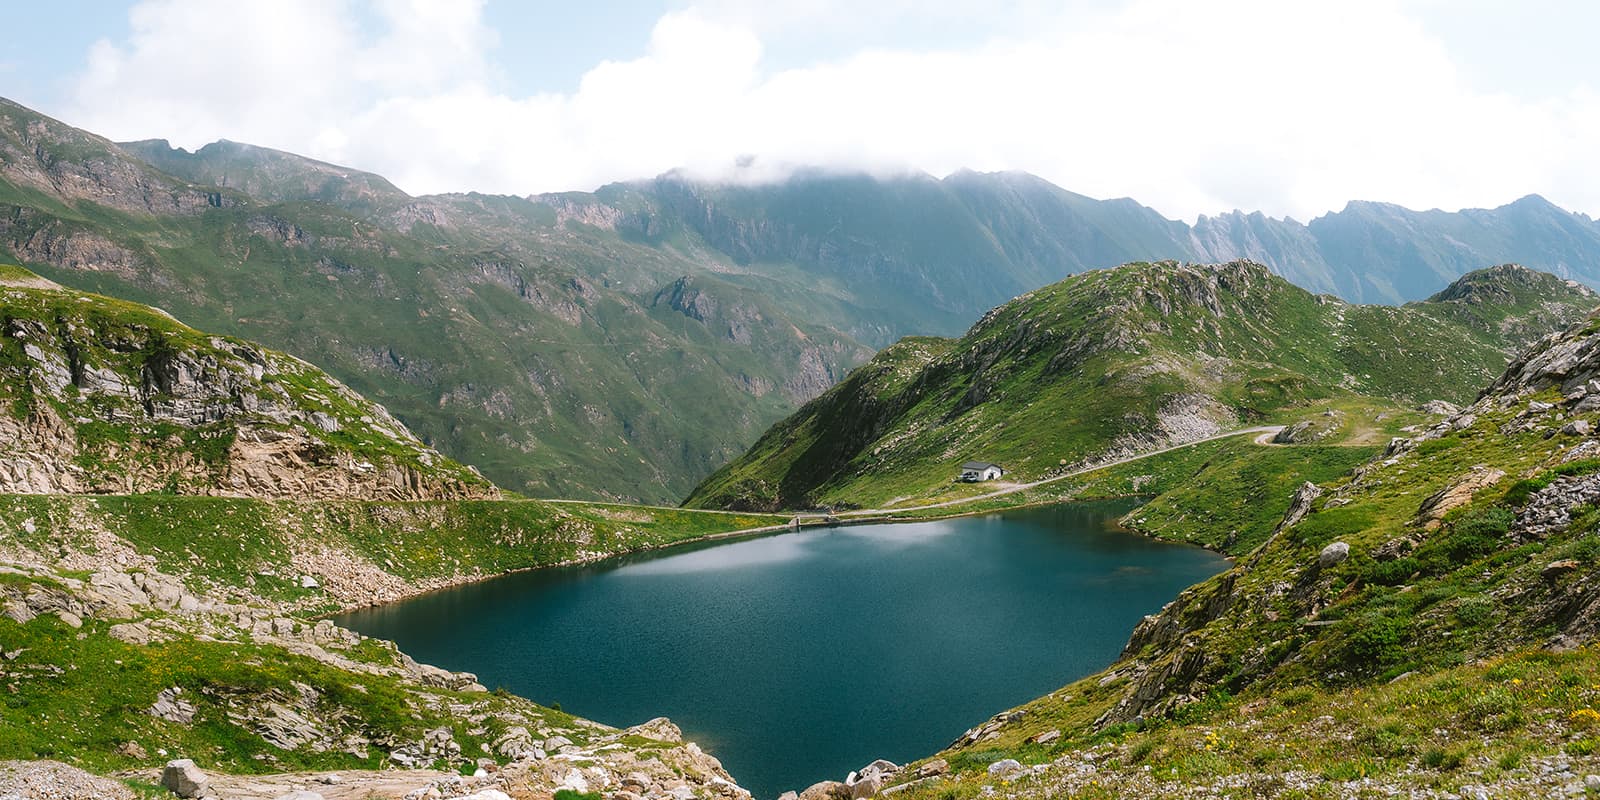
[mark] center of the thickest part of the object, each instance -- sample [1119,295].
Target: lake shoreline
[844,644]
[459,581]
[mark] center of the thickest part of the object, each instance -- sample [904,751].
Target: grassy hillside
[1422,624]
[1118,361]
[537,341]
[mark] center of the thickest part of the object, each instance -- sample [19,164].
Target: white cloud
[1292,108]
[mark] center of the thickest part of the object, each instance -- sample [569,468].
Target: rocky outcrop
[1433,509]
[1568,360]
[102,398]
[527,752]
[44,154]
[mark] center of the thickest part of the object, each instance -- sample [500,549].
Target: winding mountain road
[1263,433]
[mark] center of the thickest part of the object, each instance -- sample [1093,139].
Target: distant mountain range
[625,343]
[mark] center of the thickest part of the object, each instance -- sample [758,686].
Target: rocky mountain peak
[1502,282]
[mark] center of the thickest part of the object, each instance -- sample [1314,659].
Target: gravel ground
[52,780]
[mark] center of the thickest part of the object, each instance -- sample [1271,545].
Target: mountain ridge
[531,337]
[1132,358]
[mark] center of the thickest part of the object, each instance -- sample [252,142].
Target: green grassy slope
[1122,360]
[543,345]
[1453,645]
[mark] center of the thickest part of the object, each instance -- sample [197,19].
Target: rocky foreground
[501,743]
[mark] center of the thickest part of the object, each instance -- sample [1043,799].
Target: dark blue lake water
[798,657]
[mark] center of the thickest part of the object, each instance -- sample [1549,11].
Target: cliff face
[100,396]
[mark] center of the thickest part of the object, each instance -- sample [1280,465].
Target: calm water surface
[799,657]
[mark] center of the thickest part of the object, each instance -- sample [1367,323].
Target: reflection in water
[777,550]
[799,657]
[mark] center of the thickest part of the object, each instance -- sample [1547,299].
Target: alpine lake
[798,657]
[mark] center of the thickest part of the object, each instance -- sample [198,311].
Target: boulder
[1333,554]
[515,743]
[826,790]
[184,779]
[172,707]
[866,785]
[1439,407]
[1045,737]
[1006,769]
[1577,427]
[937,766]
[660,729]
[1294,434]
[575,781]
[1556,569]
[1395,548]
[134,633]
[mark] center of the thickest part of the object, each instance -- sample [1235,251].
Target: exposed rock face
[1570,360]
[1431,513]
[97,398]
[62,160]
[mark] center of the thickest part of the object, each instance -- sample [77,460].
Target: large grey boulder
[866,785]
[1333,554]
[184,779]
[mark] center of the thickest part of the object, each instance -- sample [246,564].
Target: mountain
[529,338]
[1125,360]
[626,342]
[103,396]
[267,175]
[1422,625]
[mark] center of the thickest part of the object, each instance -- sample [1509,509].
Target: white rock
[184,779]
[1006,768]
[575,781]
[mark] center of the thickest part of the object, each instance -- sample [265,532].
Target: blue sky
[1291,108]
